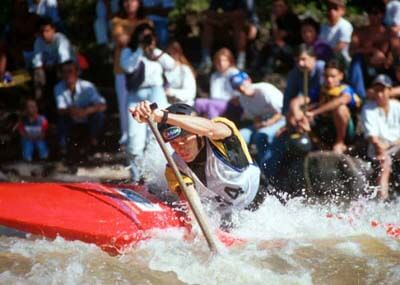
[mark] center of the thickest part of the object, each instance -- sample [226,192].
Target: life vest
[227,187]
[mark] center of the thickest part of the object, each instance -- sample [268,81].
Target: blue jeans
[95,123]
[137,132]
[161,29]
[29,146]
[262,138]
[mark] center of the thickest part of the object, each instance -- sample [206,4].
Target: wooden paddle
[191,196]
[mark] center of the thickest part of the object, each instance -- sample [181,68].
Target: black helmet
[170,132]
[299,144]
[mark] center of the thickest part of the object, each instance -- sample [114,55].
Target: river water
[294,243]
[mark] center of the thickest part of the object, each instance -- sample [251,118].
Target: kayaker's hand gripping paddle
[191,196]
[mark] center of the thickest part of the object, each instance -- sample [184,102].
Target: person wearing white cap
[381,122]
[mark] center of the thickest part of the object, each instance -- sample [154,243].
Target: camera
[147,40]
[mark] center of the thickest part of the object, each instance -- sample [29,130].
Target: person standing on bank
[211,155]
[144,65]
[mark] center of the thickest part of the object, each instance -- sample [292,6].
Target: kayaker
[211,155]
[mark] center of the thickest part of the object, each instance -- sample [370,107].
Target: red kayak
[110,216]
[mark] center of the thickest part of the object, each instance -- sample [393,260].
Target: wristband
[164,117]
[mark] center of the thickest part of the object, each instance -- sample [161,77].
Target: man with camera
[143,64]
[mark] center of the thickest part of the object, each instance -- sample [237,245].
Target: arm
[378,144]
[196,125]
[129,60]
[331,105]
[64,50]
[166,61]
[395,92]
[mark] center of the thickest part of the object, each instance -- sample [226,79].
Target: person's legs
[122,95]
[42,149]
[27,149]
[96,124]
[265,137]
[207,39]
[161,27]
[247,134]
[137,133]
[64,129]
[385,168]
[157,95]
[341,117]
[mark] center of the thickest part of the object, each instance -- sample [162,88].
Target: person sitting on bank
[211,154]
[78,102]
[50,49]
[332,108]
[32,129]
[262,105]
[381,122]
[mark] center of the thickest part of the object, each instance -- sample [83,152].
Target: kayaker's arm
[193,124]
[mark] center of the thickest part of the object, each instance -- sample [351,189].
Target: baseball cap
[383,79]
[238,79]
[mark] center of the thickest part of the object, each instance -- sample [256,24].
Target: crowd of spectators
[341,80]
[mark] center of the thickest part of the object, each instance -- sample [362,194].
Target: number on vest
[233,193]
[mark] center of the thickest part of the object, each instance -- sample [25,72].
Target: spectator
[306,61]
[381,121]
[45,8]
[144,65]
[221,92]
[392,16]
[78,102]
[369,49]
[181,82]
[33,129]
[337,33]
[285,34]
[157,11]
[224,16]
[123,26]
[262,105]
[50,49]
[338,100]
[310,36]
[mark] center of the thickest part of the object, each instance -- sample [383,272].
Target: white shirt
[376,123]
[153,69]
[56,52]
[182,84]
[85,95]
[266,102]
[48,8]
[220,85]
[392,14]
[340,32]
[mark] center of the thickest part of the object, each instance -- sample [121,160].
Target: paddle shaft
[191,196]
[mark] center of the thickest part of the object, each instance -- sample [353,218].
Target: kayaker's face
[306,62]
[333,77]
[186,147]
